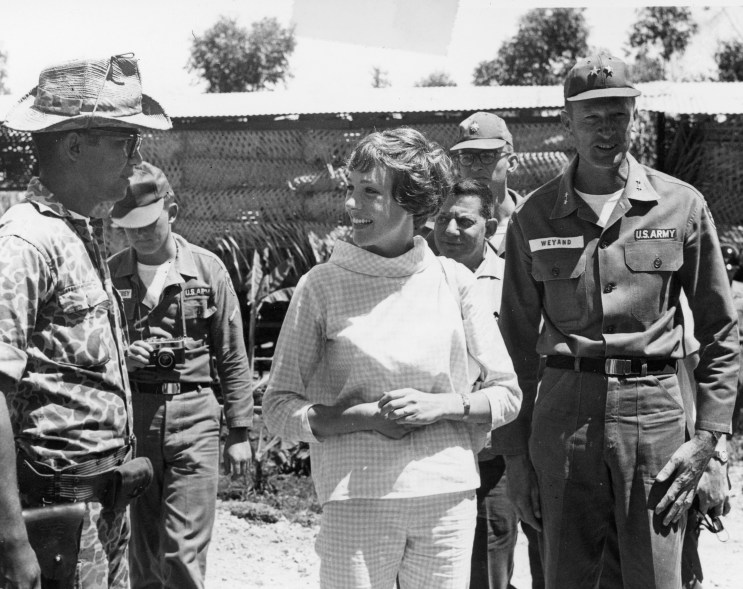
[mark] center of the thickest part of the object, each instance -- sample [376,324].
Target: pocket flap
[558,264]
[654,256]
[82,298]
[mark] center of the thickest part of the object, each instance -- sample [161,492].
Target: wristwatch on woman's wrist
[465,405]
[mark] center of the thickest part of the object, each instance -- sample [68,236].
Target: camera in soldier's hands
[166,353]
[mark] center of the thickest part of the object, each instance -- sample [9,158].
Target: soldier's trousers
[597,444]
[172,521]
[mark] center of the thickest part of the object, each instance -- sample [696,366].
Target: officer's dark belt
[161,388]
[614,366]
[91,479]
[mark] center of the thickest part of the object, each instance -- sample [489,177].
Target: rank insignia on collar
[474,128]
[608,70]
[594,71]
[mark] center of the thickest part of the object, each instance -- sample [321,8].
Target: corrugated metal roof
[373,100]
[710,98]
[671,97]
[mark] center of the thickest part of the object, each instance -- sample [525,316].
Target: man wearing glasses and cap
[65,391]
[484,152]
[184,325]
[597,259]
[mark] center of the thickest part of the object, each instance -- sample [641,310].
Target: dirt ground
[281,555]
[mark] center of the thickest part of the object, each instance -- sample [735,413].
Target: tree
[660,33]
[729,58]
[648,69]
[666,30]
[379,78]
[545,47]
[232,58]
[439,78]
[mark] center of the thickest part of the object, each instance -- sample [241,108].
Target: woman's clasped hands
[415,408]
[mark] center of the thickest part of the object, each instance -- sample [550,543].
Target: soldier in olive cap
[185,329]
[597,259]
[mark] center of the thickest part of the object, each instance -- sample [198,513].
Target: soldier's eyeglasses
[486,158]
[132,139]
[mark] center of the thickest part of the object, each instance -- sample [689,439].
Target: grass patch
[284,495]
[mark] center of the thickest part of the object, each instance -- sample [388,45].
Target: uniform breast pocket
[197,309]
[562,274]
[652,264]
[82,332]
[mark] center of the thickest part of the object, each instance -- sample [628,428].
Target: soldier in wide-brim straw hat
[88,93]
[65,392]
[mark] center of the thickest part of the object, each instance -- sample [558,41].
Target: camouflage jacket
[60,335]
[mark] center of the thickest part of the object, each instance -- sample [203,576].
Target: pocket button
[657,263]
[555,271]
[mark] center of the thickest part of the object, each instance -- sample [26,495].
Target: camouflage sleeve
[26,279]
[228,347]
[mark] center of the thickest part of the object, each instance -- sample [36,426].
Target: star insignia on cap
[608,70]
[474,128]
[594,71]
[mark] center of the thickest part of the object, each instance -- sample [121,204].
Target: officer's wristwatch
[721,456]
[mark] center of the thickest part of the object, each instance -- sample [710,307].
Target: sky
[159,32]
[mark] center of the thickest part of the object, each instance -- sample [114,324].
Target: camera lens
[165,358]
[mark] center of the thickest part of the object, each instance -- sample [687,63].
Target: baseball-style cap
[599,76]
[483,130]
[144,198]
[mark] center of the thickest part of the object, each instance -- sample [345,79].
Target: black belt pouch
[129,481]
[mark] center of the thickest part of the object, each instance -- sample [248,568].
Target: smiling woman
[374,366]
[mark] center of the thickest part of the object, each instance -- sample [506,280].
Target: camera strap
[91,234]
[182,312]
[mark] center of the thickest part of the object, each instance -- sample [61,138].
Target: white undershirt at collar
[153,277]
[601,204]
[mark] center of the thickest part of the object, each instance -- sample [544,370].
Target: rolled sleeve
[299,350]
[232,359]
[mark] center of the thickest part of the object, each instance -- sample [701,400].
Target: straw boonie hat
[144,200]
[88,93]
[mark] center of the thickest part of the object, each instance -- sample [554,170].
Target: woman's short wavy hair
[422,172]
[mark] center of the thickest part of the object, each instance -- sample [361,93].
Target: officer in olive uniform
[181,310]
[597,259]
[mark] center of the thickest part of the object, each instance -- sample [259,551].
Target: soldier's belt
[167,388]
[90,480]
[614,366]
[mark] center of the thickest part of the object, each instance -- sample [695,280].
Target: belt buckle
[618,366]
